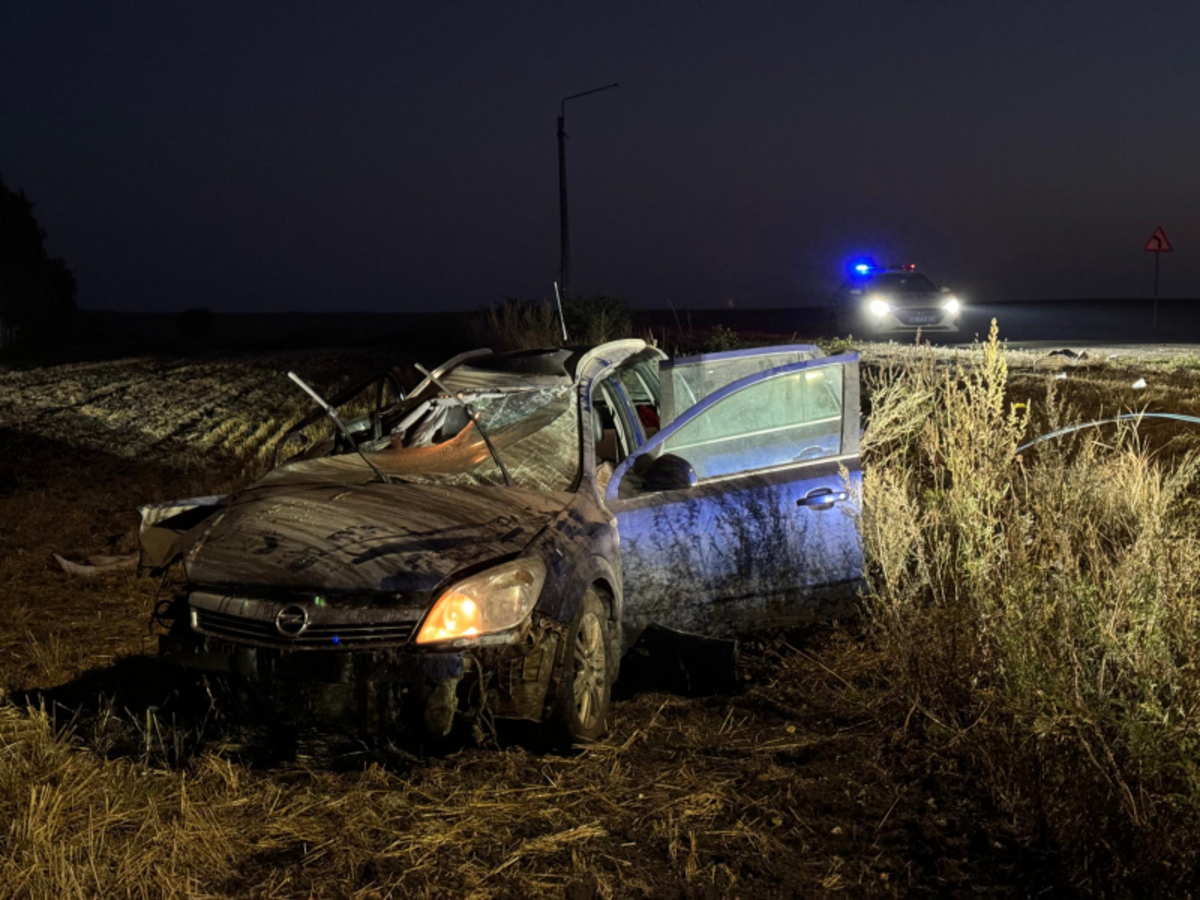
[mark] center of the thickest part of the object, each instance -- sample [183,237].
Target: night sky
[392,156]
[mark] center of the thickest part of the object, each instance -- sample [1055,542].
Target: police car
[877,301]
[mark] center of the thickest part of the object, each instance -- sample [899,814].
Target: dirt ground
[119,779]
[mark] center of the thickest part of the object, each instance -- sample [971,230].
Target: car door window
[686,382]
[777,422]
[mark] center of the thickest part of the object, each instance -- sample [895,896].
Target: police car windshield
[902,282]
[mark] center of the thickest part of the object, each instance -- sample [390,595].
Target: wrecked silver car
[499,537]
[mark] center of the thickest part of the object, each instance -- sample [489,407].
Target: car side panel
[745,550]
[741,553]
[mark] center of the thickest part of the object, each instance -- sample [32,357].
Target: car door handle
[822,498]
[813,452]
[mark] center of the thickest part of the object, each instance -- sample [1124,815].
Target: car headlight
[952,305]
[877,306]
[494,600]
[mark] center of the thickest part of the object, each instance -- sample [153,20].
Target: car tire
[580,710]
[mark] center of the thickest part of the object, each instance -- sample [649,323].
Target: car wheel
[580,710]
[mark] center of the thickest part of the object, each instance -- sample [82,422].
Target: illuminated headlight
[494,600]
[877,306]
[951,305]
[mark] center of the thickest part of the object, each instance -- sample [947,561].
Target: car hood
[311,534]
[916,299]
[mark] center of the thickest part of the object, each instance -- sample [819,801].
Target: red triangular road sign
[1158,242]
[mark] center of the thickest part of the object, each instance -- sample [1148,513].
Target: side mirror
[669,473]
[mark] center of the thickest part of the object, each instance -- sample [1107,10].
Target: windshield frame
[874,284]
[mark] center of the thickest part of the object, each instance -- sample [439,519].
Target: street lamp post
[564,228]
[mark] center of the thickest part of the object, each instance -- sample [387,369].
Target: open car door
[738,514]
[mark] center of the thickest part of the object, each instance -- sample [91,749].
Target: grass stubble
[1013,714]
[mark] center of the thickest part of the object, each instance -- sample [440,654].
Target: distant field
[432,336]
[805,783]
[178,413]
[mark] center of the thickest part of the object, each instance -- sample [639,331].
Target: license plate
[921,318]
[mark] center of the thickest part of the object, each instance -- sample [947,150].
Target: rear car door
[765,535]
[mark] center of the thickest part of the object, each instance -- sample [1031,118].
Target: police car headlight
[877,306]
[952,305]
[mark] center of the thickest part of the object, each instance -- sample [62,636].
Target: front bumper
[204,653]
[902,320]
[512,676]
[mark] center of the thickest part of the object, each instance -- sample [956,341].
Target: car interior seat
[604,429]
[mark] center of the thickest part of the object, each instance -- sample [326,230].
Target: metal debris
[1124,417]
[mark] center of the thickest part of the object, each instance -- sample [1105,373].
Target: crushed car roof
[537,367]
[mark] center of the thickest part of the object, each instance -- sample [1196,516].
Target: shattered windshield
[906,282]
[534,430]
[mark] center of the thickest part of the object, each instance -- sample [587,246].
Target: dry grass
[667,801]
[520,324]
[775,792]
[1039,612]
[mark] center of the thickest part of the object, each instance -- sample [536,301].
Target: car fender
[606,573]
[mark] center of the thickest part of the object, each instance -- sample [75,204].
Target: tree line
[37,292]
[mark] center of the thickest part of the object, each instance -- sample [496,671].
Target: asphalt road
[1122,321]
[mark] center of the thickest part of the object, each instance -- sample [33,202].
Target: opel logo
[291,621]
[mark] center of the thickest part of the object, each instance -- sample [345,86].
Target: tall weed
[519,324]
[1039,611]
